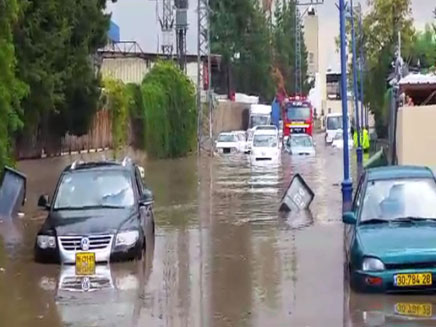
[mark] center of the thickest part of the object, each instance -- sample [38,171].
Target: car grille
[96,242]
[263,159]
[412,265]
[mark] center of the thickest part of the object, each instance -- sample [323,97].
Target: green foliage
[380,38]
[247,39]
[55,41]
[117,102]
[170,111]
[137,114]
[424,49]
[11,89]
[284,45]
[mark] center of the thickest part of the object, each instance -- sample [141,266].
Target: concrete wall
[415,136]
[133,70]
[230,116]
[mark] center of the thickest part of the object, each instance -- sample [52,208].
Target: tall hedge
[170,112]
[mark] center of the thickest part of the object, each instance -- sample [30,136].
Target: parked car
[265,145]
[338,141]
[229,143]
[333,125]
[300,144]
[390,237]
[100,212]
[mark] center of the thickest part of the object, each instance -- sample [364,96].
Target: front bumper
[103,255]
[364,281]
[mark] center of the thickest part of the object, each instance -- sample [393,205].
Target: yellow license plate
[414,309]
[404,280]
[85,263]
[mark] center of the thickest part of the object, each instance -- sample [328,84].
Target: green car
[390,234]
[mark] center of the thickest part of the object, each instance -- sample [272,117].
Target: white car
[252,131]
[265,146]
[229,143]
[338,141]
[300,144]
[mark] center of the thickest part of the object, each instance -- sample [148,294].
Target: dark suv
[100,212]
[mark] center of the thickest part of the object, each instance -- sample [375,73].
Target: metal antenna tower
[298,54]
[181,28]
[167,27]
[203,68]
[298,75]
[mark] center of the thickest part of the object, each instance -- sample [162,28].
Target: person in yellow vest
[366,141]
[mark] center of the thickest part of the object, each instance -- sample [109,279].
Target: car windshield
[334,123]
[259,120]
[399,199]
[298,113]
[265,141]
[227,138]
[105,188]
[303,141]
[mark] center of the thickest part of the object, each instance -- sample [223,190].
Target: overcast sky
[138,21]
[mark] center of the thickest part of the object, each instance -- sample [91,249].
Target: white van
[333,126]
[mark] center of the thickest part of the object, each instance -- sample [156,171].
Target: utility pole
[203,69]
[181,28]
[298,54]
[167,27]
[359,152]
[347,185]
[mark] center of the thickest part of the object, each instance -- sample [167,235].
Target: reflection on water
[223,256]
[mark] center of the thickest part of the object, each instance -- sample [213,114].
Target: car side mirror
[43,202]
[349,218]
[146,198]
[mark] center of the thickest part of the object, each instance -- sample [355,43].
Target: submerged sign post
[12,193]
[298,195]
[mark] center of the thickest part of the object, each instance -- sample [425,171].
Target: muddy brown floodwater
[222,255]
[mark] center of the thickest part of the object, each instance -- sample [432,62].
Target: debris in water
[298,196]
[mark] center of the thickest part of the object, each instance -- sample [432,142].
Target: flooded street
[222,255]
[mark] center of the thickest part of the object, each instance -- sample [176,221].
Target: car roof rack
[126,161]
[77,163]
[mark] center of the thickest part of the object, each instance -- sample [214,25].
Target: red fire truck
[297,115]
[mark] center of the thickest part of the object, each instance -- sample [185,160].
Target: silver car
[300,144]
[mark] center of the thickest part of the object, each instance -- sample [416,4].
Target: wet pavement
[222,255]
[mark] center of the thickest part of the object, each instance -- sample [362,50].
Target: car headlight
[45,241]
[372,264]
[127,238]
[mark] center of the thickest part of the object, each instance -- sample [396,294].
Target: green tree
[241,35]
[55,40]
[423,52]
[117,102]
[380,38]
[170,112]
[11,88]
[284,46]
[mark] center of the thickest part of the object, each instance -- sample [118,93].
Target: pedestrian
[366,140]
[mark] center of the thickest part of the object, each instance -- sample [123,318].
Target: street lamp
[347,185]
[359,153]
[363,113]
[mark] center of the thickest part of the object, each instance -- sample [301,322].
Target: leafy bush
[117,102]
[170,112]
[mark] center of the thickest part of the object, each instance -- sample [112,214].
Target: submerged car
[390,237]
[265,146]
[229,143]
[100,212]
[300,144]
